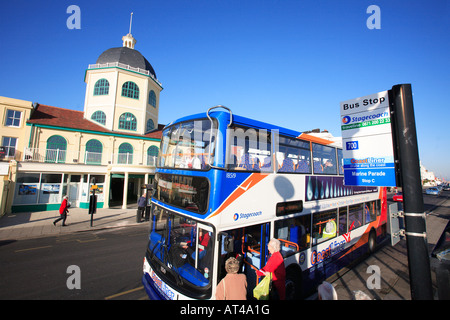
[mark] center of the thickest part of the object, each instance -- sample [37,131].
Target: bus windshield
[188,145]
[186,192]
[182,249]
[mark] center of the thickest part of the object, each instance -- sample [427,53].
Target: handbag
[262,290]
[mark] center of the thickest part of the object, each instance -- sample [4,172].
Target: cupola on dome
[127,56]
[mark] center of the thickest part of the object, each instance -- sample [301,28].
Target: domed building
[114,140]
[122,91]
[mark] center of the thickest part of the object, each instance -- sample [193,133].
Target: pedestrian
[275,265]
[142,204]
[326,291]
[234,285]
[63,211]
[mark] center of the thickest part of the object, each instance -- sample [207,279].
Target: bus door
[249,246]
[254,246]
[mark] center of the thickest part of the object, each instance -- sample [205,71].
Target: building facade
[14,135]
[114,141]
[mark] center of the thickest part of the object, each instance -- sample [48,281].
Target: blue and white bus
[225,185]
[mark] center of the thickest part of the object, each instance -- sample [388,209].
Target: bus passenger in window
[328,167]
[275,265]
[330,229]
[203,241]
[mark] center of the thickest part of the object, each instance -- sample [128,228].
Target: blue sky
[287,62]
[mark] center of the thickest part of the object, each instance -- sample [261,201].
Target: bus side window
[355,216]
[342,220]
[324,226]
[370,211]
[294,233]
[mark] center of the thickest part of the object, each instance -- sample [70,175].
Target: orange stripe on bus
[248,183]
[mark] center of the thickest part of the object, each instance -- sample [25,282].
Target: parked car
[433,190]
[447,187]
[398,197]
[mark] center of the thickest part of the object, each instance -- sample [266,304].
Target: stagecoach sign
[367,141]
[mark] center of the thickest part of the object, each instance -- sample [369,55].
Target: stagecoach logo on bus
[245,216]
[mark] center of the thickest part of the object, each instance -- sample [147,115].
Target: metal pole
[407,152]
[92,209]
[92,202]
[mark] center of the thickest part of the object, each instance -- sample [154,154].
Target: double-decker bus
[225,185]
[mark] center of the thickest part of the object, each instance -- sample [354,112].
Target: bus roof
[224,116]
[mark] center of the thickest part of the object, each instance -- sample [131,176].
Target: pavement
[391,261]
[391,264]
[28,225]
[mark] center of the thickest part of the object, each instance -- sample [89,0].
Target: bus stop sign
[367,141]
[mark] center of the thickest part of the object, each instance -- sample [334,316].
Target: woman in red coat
[63,211]
[275,265]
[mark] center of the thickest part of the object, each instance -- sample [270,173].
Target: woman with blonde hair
[234,285]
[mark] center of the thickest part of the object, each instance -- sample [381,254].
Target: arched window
[130,90]
[125,153]
[56,149]
[94,150]
[127,121]
[99,116]
[152,98]
[152,154]
[101,87]
[150,125]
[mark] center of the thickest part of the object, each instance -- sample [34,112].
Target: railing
[123,66]
[93,158]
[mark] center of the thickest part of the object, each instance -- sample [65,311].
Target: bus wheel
[293,283]
[372,242]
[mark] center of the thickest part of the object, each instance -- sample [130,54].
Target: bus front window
[188,145]
[183,247]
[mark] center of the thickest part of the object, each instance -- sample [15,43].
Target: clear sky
[287,62]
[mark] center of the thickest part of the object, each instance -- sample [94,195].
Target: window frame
[13,118]
[120,155]
[152,98]
[130,90]
[320,153]
[288,146]
[128,124]
[234,163]
[9,147]
[320,218]
[101,87]
[61,149]
[96,158]
[99,117]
